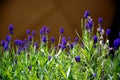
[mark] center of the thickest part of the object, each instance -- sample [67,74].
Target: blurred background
[33,14]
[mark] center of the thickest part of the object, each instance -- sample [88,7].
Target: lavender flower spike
[11,28]
[86,14]
[108,31]
[61,30]
[77,58]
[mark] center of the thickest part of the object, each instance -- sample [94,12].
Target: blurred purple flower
[29,38]
[33,33]
[49,58]
[90,24]
[28,32]
[76,39]
[44,39]
[100,20]
[95,39]
[8,38]
[52,39]
[116,43]
[94,74]
[47,30]
[77,58]
[61,30]
[69,38]
[86,14]
[3,43]
[30,67]
[64,42]
[11,28]
[108,31]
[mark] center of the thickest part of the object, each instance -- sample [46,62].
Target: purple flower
[28,32]
[64,42]
[95,39]
[6,46]
[29,38]
[47,30]
[30,67]
[52,39]
[116,43]
[33,33]
[94,74]
[71,46]
[44,39]
[63,47]
[100,20]
[77,58]
[16,42]
[76,39]
[8,38]
[41,32]
[90,24]
[11,28]
[61,30]
[108,31]
[69,38]
[3,43]
[60,45]
[86,14]
[49,58]
[44,29]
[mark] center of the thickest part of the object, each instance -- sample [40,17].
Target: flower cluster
[87,57]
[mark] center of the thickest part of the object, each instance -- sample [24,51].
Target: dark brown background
[33,14]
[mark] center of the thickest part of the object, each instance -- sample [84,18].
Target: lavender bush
[86,58]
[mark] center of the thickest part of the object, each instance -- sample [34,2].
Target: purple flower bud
[95,39]
[77,58]
[100,20]
[44,29]
[76,39]
[52,39]
[94,74]
[6,46]
[61,30]
[16,42]
[86,14]
[63,47]
[108,31]
[20,43]
[8,38]
[41,32]
[44,39]
[29,38]
[47,30]
[60,45]
[30,67]
[64,42]
[33,33]
[71,46]
[90,24]
[69,38]
[11,28]
[3,43]
[49,58]
[116,43]
[28,32]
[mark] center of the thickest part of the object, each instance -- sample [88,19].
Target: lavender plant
[86,58]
